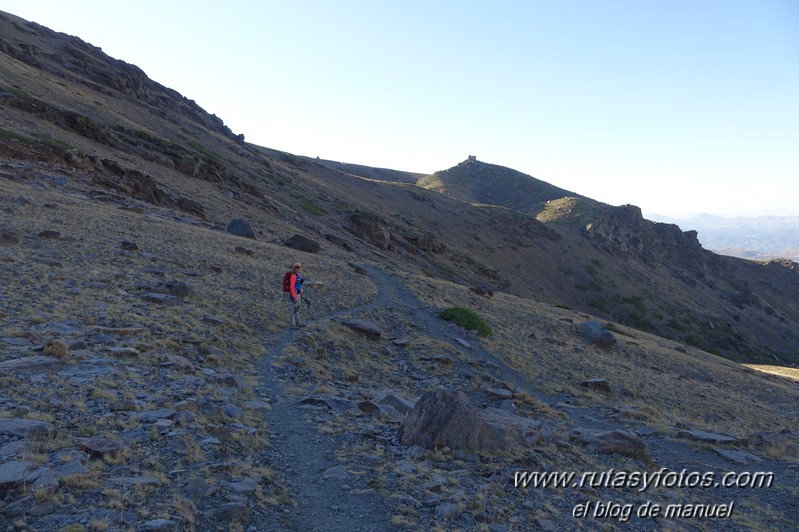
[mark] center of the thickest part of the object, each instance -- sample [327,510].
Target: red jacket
[295,286]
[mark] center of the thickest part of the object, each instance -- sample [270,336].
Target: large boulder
[444,418]
[240,227]
[595,334]
[302,243]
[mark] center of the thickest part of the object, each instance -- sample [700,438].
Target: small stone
[445,511]
[231,511]
[337,473]
[100,447]
[598,384]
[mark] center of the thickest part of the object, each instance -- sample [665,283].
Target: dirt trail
[301,454]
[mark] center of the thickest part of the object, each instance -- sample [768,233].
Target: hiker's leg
[297,315]
[292,314]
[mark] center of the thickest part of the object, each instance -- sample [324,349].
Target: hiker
[296,295]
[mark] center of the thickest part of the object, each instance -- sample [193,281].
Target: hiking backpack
[287,281]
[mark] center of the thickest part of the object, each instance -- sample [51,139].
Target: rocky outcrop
[447,419]
[71,58]
[624,231]
[371,228]
[240,227]
[302,243]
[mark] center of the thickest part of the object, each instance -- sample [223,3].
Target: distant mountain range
[755,238]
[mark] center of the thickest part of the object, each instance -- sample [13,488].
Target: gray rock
[337,473]
[509,420]
[445,511]
[594,333]
[15,474]
[161,299]
[706,437]
[244,486]
[241,228]
[302,243]
[624,442]
[500,393]
[368,329]
[32,364]
[158,525]
[134,481]
[231,511]
[7,237]
[739,457]
[150,416]
[404,466]
[98,446]
[443,418]
[47,480]
[25,428]
[178,289]
[397,402]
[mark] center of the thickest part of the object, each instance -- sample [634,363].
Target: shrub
[467,319]
[312,208]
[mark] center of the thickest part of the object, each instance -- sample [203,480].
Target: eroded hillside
[149,381]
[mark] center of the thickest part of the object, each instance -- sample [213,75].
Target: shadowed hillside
[109,127]
[149,381]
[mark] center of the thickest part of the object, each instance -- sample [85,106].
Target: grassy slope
[655,381]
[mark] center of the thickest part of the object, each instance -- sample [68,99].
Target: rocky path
[329,498]
[326,497]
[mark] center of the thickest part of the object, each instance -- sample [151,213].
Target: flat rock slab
[134,481]
[464,343]
[124,351]
[326,401]
[150,416]
[161,299]
[707,437]
[17,342]
[120,331]
[623,442]
[25,428]
[499,393]
[32,364]
[13,474]
[738,456]
[397,402]
[367,328]
[338,473]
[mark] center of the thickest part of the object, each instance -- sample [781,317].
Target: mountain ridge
[517,221]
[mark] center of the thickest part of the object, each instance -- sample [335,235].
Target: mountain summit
[474,181]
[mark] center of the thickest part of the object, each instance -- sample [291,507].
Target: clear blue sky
[675,106]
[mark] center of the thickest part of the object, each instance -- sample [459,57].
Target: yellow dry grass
[668,383]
